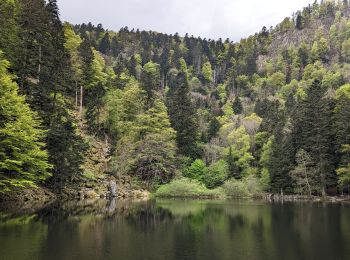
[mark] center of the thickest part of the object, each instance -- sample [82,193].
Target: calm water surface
[176,229]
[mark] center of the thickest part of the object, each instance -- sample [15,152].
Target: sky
[214,19]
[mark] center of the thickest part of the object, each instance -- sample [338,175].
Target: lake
[178,229]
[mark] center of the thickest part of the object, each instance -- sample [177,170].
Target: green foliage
[72,44]
[236,189]
[9,29]
[304,174]
[196,170]
[183,117]
[150,80]
[187,188]
[145,140]
[207,72]
[273,72]
[342,127]
[242,84]
[246,188]
[240,143]
[122,107]
[23,160]
[320,50]
[215,174]
[233,168]
[346,50]
[312,131]
[276,80]
[214,127]
[344,171]
[237,106]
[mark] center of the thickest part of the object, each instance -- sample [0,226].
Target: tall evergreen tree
[342,126]
[233,169]
[313,132]
[281,163]
[105,44]
[45,76]
[150,80]
[183,117]
[237,106]
[9,29]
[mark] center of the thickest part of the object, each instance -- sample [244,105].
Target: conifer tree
[237,106]
[312,130]
[105,45]
[342,129]
[183,117]
[9,29]
[150,80]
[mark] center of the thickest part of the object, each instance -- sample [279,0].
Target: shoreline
[34,199]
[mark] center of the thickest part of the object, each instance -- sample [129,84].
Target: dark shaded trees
[183,117]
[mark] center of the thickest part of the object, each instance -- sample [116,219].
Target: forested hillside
[267,114]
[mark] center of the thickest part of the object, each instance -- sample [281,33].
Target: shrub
[187,188]
[236,189]
[248,187]
[216,174]
[196,170]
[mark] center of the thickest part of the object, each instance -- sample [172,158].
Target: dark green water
[166,230]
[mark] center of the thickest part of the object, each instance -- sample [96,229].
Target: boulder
[112,189]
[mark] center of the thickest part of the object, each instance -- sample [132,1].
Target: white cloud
[214,19]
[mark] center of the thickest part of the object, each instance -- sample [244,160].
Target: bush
[248,187]
[196,170]
[216,174]
[253,185]
[187,188]
[236,189]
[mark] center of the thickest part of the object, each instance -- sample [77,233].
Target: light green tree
[23,160]
[207,71]
[239,140]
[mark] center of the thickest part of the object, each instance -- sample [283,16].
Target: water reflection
[175,229]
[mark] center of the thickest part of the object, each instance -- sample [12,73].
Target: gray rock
[112,189]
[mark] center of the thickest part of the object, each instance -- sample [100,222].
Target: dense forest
[184,115]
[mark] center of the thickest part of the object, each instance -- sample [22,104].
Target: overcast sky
[213,19]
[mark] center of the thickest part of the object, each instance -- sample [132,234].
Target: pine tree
[9,29]
[237,106]
[299,22]
[150,80]
[105,45]
[45,75]
[313,132]
[183,117]
[281,163]
[342,128]
[233,169]
[214,127]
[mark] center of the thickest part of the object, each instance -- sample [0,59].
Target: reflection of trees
[147,216]
[181,230]
[60,211]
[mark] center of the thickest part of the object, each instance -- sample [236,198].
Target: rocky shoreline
[278,198]
[33,199]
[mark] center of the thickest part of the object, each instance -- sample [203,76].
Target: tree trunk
[76,94]
[81,101]
[39,67]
